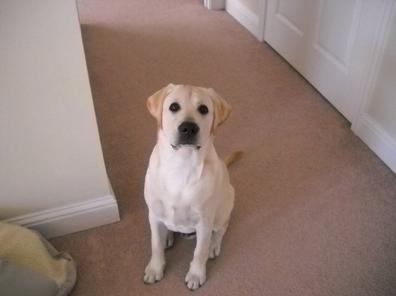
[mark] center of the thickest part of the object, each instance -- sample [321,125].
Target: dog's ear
[222,109]
[155,102]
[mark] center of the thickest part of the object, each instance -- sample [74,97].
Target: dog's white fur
[187,187]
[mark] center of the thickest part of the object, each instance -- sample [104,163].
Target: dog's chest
[177,190]
[175,201]
[177,216]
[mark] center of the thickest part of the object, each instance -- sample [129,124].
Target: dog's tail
[231,158]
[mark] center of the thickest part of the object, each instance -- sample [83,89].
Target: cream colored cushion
[30,265]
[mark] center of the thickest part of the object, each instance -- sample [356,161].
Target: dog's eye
[203,109]
[174,107]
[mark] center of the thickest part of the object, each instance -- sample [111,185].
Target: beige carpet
[315,209]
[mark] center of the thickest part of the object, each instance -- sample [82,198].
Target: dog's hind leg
[216,240]
[170,239]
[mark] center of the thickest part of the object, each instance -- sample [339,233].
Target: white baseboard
[71,218]
[377,139]
[244,16]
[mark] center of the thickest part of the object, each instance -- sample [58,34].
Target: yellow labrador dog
[187,187]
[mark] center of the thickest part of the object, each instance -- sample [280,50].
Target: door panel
[334,37]
[316,37]
[287,27]
[291,12]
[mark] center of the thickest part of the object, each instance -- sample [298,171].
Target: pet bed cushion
[30,265]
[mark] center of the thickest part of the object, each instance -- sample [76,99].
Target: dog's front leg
[155,269]
[196,275]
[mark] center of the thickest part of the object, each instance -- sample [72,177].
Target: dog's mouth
[178,146]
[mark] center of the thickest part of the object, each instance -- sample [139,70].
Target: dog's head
[188,115]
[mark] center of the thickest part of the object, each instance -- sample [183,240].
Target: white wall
[50,153]
[376,122]
[382,103]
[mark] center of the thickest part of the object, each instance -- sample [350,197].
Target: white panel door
[317,38]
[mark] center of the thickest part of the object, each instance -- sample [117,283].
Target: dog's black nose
[188,129]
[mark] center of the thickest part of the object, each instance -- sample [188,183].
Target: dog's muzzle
[187,134]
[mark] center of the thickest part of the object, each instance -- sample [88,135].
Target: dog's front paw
[153,273]
[195,278]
